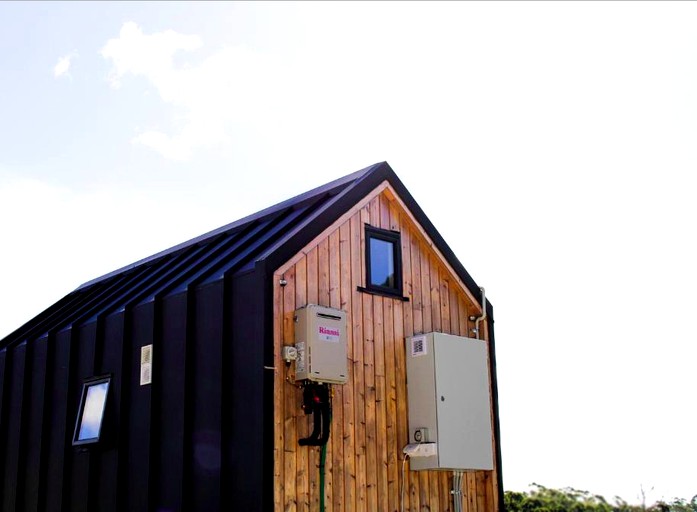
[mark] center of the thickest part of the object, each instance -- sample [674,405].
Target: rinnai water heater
[449,403]
[320,339]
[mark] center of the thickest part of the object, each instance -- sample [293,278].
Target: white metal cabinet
[449,401]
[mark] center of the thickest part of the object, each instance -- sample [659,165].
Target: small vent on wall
[146,365]
[418,346]
[145,375]
[146,354]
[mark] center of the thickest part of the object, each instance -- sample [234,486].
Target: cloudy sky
[552,144]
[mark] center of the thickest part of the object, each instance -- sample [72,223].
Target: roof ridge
[261,214]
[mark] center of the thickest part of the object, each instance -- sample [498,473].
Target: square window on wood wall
[383,261]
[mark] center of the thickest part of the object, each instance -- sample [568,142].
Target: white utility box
[320,338]
[449,401]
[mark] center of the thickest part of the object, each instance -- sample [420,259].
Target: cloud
[167,146]
[62,67]
[149,55]
[232,85]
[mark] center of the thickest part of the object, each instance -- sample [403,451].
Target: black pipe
[316,402]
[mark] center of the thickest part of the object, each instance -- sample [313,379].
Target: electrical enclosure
[320,339]
[449,402]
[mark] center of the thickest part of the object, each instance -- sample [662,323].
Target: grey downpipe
[479,319]
[457,490]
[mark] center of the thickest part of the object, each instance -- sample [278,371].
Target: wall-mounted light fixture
[90,415]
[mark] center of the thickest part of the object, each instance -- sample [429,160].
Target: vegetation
[543,499]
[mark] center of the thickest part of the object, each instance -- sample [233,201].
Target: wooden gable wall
[369,423]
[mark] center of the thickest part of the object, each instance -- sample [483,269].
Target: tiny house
[327,353]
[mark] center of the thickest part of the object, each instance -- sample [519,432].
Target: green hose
[322,459]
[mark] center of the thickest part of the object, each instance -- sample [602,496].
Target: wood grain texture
[369,424]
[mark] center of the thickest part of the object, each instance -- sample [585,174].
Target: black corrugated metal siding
[201,436]
[190,441]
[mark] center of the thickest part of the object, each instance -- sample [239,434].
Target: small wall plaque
[146,365]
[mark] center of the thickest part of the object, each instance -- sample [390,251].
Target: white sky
[552,144]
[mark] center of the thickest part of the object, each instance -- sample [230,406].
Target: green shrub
[544,499]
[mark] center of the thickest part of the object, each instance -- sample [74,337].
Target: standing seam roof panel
[232,248]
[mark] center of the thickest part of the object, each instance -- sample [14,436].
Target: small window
[90,415]
[383,254]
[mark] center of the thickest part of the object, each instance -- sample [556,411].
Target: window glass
[382,263]
[93,411]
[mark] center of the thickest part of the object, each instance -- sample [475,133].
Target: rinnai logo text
[328,334]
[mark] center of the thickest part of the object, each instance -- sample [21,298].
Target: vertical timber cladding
[369,417]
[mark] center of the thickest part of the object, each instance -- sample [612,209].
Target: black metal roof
[267,238]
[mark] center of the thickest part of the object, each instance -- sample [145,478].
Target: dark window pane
[381,263]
